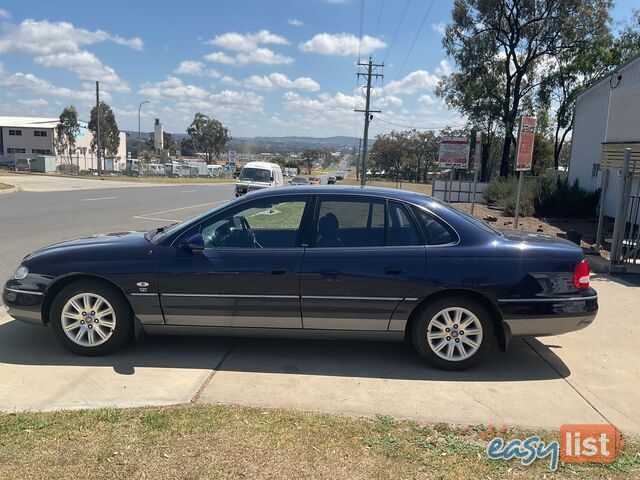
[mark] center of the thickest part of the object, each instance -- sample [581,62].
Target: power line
[395,34]
[379,17]
[424,19]
[418,128]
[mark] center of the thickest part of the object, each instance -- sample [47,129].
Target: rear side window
[350,222]
[402,230]
[436,230]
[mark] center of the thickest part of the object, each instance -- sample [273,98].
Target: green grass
[219,441]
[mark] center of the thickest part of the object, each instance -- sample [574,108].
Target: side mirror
[194,244]
[271,178]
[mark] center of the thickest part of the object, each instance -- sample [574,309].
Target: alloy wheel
[88,319]
[454,334]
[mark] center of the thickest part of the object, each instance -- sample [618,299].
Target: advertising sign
[454,152]
[231,158]
[526,136]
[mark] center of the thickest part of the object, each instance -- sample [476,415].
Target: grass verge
[4,186]
[234,442]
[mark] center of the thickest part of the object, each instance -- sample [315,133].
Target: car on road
[259,175]
[314,181]
[299,181]
[311,262]
[331,180]
[340,175]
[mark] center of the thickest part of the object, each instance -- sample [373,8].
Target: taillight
[581,275]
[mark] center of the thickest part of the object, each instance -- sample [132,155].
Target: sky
[263,68]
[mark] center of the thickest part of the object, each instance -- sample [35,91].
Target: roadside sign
[231,158]
[477,153]
[526,136]
[454,152]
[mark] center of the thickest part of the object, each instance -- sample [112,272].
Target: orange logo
[597,443]
[492,432]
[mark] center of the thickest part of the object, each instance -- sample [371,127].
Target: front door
[248,274]
[366,256]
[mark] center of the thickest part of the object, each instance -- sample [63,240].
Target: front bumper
[538,317]
[23,306]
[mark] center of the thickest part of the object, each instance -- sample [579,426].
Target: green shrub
[503,192]
[558,198]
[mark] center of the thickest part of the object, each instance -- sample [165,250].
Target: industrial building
[28,137]
[607,114]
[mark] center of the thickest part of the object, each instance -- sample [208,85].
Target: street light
[139,107]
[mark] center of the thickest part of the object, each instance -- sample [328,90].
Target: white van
[214,170]
[259,175]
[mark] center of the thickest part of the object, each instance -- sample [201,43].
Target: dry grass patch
[234,442]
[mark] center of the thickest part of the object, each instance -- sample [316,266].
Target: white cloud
[387,100]
[439,27]
[40,86]
[443,68]
[4,13]
[58,45]
[280,80]
[226,79]
[193,67]
[238,98]
[172,88]
[260,56]
[339,103]
[418,80]
[295,22]
[246,42]
[37,102]
[343,44]
[426,99]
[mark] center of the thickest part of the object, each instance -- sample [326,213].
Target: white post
[518,200]
[450,184]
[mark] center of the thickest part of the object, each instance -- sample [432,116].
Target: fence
[458,191]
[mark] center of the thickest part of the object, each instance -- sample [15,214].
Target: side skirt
[275,333]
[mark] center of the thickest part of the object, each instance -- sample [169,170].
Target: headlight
[21,272]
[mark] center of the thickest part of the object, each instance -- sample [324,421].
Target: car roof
[391,193]
[265,165]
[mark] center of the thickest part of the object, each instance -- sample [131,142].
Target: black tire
[120,334]
[424,348]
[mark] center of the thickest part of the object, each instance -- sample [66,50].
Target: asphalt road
[30,220]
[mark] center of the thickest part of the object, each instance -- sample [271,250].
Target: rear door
[365,256]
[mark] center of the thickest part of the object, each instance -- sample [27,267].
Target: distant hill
[267,144]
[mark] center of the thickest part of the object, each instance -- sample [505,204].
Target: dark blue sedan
[311,262]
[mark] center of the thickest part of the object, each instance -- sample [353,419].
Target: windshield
[255,175]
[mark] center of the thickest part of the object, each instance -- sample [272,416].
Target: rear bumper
[538,317]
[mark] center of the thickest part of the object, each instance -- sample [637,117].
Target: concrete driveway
[589,376]
[48,183]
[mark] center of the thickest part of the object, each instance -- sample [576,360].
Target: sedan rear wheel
[91,318]
[453,333]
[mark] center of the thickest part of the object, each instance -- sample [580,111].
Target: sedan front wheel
[453,333]
[90,318]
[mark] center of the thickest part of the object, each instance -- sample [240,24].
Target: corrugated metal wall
[589,131]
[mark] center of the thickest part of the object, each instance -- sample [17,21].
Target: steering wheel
[250,233]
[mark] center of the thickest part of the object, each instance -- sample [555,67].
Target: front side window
[350,222]
[262,223]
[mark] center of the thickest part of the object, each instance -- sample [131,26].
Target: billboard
[526,136]
[231,158]
[454,152]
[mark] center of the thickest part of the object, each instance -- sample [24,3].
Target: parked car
[22,165]
[340,175]
[299,181]
[314,181]
[259,175]
[331,180]
[312,262]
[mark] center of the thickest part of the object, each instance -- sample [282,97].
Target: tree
[187,149]
[209,136]
[309,158]
[66,132]
[513,40]
[109,133]
[389,153]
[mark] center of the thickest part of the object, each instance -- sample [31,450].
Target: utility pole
[358,162]
[98,129]
[139,107]
[367,114]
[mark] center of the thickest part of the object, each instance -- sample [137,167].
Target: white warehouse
[607,111]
